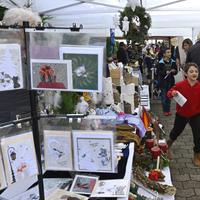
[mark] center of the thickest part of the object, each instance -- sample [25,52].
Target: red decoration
[155,152]
[163,147]
[149,144]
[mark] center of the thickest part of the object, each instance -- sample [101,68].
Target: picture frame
[63,194]
[93,151]
[83,184]
[3,182]
[11,72]
[47,74]
[19,157]
[87,66]
[57,150]
[111,188]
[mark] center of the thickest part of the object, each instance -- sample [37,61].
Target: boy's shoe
[169,143]
[169,113]
[165,113]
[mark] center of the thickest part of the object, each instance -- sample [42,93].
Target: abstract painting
[11,76]
[57,150]
[87,65]
[93,151]
[110,188]
[83,184]
[19,157]
[50,74]
[64,195]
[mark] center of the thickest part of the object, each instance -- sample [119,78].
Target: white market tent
[169,18]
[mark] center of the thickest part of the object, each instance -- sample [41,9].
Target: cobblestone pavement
[184,175]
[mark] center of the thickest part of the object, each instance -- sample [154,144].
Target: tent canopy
[177,17]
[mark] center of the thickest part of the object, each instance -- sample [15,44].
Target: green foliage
[108,48]
[141,33]
[69,100]
[46,17]
[28,5]
[2,11]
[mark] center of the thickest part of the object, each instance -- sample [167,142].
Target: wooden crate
[135,80]
[116,73]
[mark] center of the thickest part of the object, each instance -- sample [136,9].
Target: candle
[149,144]
[163,147]
[155,152]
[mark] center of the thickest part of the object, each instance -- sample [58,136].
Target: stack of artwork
[79,69]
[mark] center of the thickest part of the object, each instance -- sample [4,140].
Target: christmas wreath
[140,22]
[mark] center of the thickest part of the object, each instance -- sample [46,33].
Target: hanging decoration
[116,20]
[125,25]
[133,4]
[140,22]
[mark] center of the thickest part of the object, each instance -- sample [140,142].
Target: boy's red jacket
[192,94]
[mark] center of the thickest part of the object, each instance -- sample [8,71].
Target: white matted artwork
[19,157]
[11,75]
[83,184]
[32,194]
[111,188]
[93,151]
[87,66]
[3,182]
[57,150]
[63,194]
[51,74]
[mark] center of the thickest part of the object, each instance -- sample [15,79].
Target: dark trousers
[166,101]
[179,125]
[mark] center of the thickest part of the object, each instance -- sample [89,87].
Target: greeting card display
[63,194]
[19,157]
[93,151]
[87,65]
[11,76]
[31,194]
[83,184]
[110,188]
[57,150]
[52,184]
[51,74]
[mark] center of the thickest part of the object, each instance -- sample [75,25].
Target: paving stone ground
[184,175]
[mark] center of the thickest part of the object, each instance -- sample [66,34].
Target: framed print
[19,157]
[87,65]
[32,194]
[52,184]
[83,184]
[110,188]
[57,150]
[11,75]
[50,74]
[93,151]
[3,182]
[64,195]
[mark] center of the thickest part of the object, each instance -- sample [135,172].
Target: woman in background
[186,44]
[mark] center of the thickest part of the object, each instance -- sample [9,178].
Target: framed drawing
[64,195]
[50,74]
[52,184]
[19,157]
[33,193]
[93,151]
[110,188]
[83,184]
[11,75]
[87,67]
[57,150]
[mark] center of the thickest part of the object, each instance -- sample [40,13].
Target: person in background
[160,54]
[175,52]
[190,111]
[122,54]
[186,44]
[166,70]
[193,54]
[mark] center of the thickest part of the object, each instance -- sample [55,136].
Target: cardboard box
[116,73]
[135,80]
[116,81]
